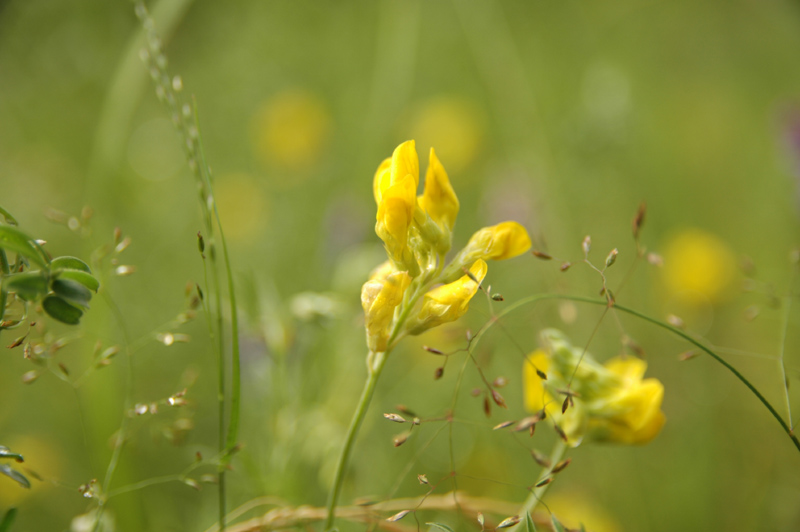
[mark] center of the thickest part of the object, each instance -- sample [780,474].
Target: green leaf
[5,524]
[59,309]
[15,475]
[69,263]
[15,240]
[529,523]
[79,276]
[72,291]
[440,526]
[7,215]
[27,285]
[557,526]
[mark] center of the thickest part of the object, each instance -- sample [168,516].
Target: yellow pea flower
[499,242]
[379,297]
[505,240]
[536,398]
[633,415]
[613,402]
[395,214]
[448,302]
[405,162]
[439,199]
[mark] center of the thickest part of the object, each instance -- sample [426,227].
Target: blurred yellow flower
[448,302]
[291,129]
[379,297]
[698,267]
[41,457]
[453,125]
[243,206]
[612,402]
[574,510]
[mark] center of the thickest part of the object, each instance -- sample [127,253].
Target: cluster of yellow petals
[613,402]
[417,233]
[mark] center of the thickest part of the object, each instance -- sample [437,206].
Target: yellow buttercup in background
[290,130]
[698,267]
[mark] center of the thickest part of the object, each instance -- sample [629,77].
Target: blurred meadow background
[564,116]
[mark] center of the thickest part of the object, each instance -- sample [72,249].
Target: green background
[565,115]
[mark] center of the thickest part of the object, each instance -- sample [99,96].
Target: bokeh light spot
[243,206]
[291,130]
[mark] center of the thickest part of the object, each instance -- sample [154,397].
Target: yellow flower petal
[448,302]
[382,179]
[535,395]
[499,242]
[627,368]
[405,162]
[439,199]
[379,299]
[395,214]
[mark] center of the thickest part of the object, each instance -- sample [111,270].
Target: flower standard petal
[439,199]
[394,216]
[405,162]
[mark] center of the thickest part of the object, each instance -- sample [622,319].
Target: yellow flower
[448,302]
[439,199]
[612,402]
[451,123]
[505,240]
[499,242]
[698,266]
[291,130]
[633,415]
[405,162]
[379,297]
[395,214]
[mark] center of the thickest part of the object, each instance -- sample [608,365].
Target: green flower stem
[375,363]
[529,506]
[375,368]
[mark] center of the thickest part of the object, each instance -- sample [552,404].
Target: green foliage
[63,285]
